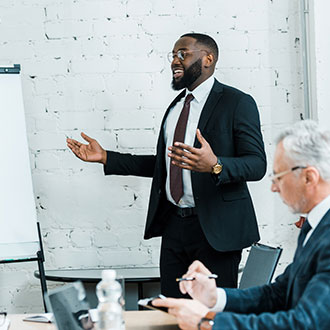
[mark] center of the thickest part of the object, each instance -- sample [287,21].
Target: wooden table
[135,320]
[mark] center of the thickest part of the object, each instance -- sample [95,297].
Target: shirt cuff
[221,301]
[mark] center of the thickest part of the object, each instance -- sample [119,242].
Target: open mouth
[177,73]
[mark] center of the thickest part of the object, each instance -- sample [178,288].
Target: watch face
[206,324]
[217,169]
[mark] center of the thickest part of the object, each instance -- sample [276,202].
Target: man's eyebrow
[180,49]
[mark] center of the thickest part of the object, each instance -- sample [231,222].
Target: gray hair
[306,144]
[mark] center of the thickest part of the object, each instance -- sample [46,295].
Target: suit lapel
[160,143]
[308,251]
[173,103]
[209,107]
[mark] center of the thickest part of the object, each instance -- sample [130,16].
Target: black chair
[260,265]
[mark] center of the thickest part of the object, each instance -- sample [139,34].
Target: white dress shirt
[200,94]
[314,217]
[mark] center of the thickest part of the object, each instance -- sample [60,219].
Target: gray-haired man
[300,297]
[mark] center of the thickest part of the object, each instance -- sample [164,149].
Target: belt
[184,212]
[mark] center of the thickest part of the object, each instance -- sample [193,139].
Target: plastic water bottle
[110,313]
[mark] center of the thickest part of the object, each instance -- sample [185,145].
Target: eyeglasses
[181,54]
[3,316]
[275,177]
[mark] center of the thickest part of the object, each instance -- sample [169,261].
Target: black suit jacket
[298,299]
[230,123]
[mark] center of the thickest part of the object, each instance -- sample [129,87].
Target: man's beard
[189,77]
[299,206]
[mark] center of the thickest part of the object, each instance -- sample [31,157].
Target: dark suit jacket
[230,123]
[298,299]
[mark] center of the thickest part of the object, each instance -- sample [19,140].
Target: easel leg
[42,278]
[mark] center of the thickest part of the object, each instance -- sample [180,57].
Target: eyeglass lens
[180,54]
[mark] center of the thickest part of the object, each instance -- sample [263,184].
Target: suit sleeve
[260,298]
[311,311]
[128,164]
[249,161]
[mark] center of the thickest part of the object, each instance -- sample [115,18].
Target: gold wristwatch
[206,323]
[217,168]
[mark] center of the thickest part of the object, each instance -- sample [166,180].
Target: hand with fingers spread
[194,159]
[91,152]
[202,287]
[188,312]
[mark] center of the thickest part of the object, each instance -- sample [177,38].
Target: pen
[179,279]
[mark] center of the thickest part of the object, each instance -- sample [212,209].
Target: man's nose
[274,187]
[175,60]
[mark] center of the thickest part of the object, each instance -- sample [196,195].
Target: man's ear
[312,176]
[208,60]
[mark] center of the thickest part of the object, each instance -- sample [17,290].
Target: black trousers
[183,242]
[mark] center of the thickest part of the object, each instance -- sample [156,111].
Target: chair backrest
[260,265]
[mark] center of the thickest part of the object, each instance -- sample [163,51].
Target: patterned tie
[176,184]
[303,233]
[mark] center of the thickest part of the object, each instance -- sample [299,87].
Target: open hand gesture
[194,159]
[91,152]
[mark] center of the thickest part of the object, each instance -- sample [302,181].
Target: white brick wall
[101,67]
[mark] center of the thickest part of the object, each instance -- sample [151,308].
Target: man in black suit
[206,152]
[300,297]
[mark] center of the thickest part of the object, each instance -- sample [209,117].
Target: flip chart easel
[20,238]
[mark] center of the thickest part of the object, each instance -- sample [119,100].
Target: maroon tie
[176,184]
[300,222]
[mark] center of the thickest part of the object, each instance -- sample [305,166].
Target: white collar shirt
[200,94]
[315,216]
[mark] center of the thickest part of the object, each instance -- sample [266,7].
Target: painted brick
[136,138]
[105,239]
[56,238]
[47,161]
[129,119]
[141,8]
[117,26]
[46,122]
[81,238]
[121,258]
[150,63]
[68,29]
[129,238]
[46,141]
[100,64]
[76,258]
[81,120]
[128,81]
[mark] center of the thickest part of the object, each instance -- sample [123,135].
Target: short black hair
[205,40]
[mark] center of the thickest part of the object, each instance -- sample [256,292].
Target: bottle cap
[108,274]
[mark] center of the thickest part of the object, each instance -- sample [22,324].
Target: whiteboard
[18,229]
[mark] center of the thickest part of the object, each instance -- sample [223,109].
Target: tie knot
[188,99]
[300,222]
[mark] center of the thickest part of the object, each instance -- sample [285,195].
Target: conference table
[134,320]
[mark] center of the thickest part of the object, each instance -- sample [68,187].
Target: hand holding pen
[199,283]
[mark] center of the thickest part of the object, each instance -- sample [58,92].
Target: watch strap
[208,317]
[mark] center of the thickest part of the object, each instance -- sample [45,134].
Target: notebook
[70,307]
